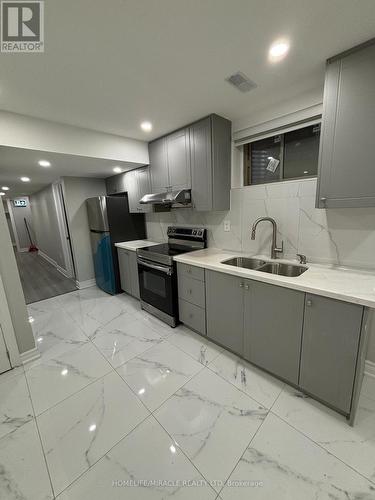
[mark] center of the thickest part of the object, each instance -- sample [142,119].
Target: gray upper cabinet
[329,350]
[224,310]
[137,184]
[210,149]
[346,167]
[273,320]
[115,184]
[178,159]
[158,165]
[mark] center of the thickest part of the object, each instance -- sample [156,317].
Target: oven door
[157,286]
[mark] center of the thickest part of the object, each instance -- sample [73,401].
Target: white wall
[18,216]
[32,133]
[13,289]
[76,191]
[45,225]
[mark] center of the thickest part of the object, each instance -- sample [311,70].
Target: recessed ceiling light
[278,50]
[2,194]
[5,188]
[25,179]
[117,170]
[44,163]
[146,126]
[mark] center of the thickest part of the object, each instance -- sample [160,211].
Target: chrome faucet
[274,248]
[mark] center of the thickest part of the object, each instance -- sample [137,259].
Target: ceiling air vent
[241,82]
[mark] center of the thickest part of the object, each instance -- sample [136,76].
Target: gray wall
[13,289]
[19,213]
[76,191]
[45,225]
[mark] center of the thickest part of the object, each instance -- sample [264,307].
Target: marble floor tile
[353,445]
[15,403]
[257,384]
[57,378]
[282,463]
[159,372]
[77,432]
[160,327]
[146,456]
[213,422]
[23,471]
[124,338]
[199,347]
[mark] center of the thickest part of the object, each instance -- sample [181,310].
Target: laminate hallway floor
[40,279]
[119,406]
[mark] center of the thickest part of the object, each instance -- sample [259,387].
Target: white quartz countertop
[340,283]
[133,245]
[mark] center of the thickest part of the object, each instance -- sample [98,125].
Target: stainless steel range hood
[181,197]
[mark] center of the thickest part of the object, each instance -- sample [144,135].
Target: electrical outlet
[227,226]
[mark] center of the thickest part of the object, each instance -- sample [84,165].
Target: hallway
[40,279]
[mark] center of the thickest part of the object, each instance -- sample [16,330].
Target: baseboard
[370,369]
[85,284]
[28,356]
[54,263]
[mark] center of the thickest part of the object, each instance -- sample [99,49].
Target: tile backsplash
[344,236]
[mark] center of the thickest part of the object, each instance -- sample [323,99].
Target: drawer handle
[241,285]
[190,291]
[309,303]
[247,287]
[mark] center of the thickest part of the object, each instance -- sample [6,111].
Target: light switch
[227,226]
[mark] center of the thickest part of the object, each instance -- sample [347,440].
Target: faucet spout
[274,248]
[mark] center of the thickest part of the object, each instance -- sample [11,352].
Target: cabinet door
[143,177]
[158,166]
[178,156]
[224,310]
[124,265]
[133,191]
[346,171]
[329,349]
[273,321]
[134,281]
[201,165]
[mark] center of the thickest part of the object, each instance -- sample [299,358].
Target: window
[292,155]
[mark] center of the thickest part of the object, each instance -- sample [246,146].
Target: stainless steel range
[157,271]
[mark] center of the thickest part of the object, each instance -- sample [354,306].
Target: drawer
[192,316]
[191,271]
[191,290]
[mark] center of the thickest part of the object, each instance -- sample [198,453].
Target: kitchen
[224,277]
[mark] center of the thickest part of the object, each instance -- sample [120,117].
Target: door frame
[8,330]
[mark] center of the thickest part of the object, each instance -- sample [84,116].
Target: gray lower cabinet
[224,310]
[330,345]
[191,295]
[273,320]
[128,271]
[346,168]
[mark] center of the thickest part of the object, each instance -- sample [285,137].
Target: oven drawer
[191,290]
[191,271]
[192,316]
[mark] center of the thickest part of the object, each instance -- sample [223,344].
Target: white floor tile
[286,465]
[23,471]
[212,422]
[353,445]
[147,454]
[156,324]
[159,372]
[15,404]
[257,384]
[199,347]
[80,430]
[123,338]
[57,378]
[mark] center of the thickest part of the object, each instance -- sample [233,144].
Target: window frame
[282,132]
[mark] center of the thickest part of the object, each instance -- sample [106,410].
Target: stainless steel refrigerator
[110,222]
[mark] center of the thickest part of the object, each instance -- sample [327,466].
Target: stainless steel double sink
[279,268]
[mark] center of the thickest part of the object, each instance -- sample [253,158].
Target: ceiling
[110,65]
[16,163]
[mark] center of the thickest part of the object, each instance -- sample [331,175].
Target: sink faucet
[274,248]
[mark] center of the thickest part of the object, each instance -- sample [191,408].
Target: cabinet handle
[241,285]
[323,200]
[309,303]
[247,287]
[190,291]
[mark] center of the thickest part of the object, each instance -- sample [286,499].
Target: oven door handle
[163,269]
